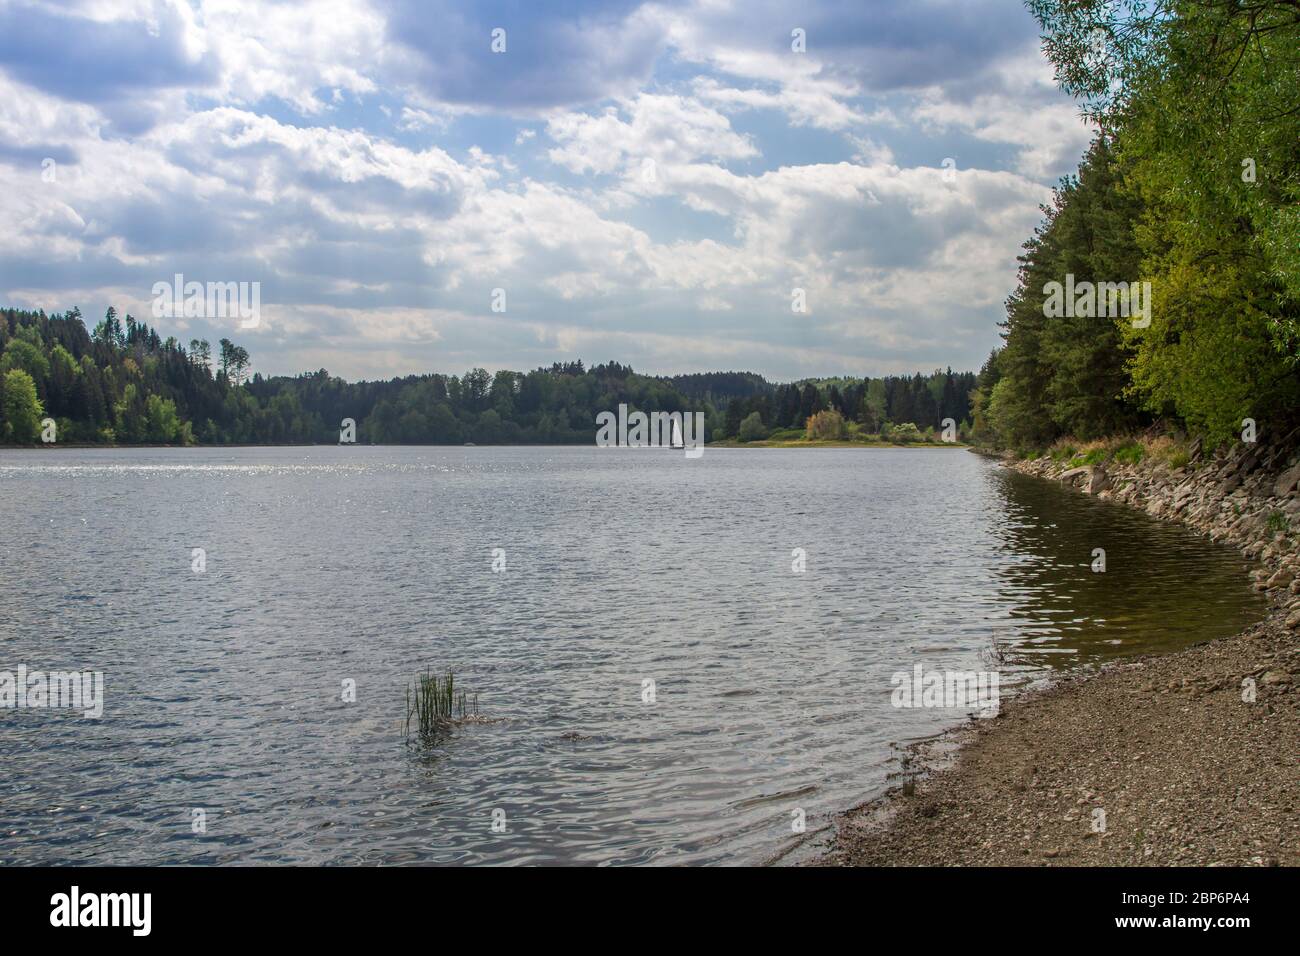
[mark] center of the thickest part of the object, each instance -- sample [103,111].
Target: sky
[662,184]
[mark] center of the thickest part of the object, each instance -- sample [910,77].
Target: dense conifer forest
[1193,186]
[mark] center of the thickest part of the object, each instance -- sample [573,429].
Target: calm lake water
[324,565]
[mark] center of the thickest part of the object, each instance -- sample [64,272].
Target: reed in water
[434,704]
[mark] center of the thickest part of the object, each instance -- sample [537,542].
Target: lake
[771,695]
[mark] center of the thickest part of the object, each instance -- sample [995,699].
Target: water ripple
[772,689]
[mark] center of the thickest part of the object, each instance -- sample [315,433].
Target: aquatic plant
[436,705]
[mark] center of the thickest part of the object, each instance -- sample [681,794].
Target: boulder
[1287,481]
[1280,579]
[1098,480]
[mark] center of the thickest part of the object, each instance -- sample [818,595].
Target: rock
[1098,480]
[1075,473]
[1287,481]
[1288,440]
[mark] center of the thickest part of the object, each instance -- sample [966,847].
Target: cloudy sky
[648,182]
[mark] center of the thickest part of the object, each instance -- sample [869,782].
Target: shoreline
[730,443]
[727,443]
[1185,758]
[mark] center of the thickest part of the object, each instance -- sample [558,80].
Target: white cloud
[661,129]
[380,249]
[1022,109]
[292,50]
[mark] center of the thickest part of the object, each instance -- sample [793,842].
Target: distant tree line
[874,404]
[124,383]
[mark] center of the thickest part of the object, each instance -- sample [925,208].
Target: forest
[122,383]
[1192,184]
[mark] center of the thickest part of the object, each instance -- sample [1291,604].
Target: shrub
[905,433]
[752,428]
[826,426]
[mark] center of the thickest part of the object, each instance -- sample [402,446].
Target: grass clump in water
[434,705]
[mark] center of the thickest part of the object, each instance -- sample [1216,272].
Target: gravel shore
[1188,758]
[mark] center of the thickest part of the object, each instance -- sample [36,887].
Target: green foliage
[124,383]
[865,403]
[1207,357]
[1065,374]
[20,353]
[788,434]
[1192,185]
[1129,454]
[435,704]
[1094,457]
[752,428]
[20,409]
[904,433]
[161,423]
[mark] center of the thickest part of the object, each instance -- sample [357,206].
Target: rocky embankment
[1247,496]
[1178,759]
